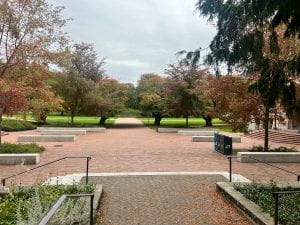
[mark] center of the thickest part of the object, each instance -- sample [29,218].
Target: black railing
[276,206]
[259,161]
[60,201]
[88,158]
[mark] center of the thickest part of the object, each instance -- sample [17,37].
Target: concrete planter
[46,138]
[196,133]
[211,139]
[271,157]
[15,159]
[87,129]
[63,132]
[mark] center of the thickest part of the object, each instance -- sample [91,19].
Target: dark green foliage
[17,125]
[279,149]
[9,203]
[262,195]
[20,148]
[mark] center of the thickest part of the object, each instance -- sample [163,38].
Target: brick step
[277,136]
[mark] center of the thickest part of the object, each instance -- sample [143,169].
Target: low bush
[17,125]
[279,149]
[20,148]
[262,195]
[27,206]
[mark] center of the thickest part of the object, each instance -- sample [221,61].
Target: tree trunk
[266,127]
[157,120]
[208,121]
[72,117]
[187,121]
[0,126]
[62,113]
[102,120]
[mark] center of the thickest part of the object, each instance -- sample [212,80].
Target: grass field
[58,120]
[180,122]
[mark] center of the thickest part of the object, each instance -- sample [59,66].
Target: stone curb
[15,159]
[250,209]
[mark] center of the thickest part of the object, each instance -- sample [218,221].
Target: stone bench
[46,138]
[63,132]
[14,159]
[211,139]
[196,132]
[271,157]
[87,129]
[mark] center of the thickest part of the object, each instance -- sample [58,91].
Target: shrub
[20,148]
[27,206]
[279,149]
[17,125]
[262,195]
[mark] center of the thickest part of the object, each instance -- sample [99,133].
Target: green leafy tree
[152,95]
[241,44]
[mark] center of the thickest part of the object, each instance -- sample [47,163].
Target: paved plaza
[131,147]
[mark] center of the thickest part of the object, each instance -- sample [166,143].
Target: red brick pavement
[139,149]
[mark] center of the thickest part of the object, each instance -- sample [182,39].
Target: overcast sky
[137,36]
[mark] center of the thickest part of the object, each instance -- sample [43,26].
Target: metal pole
[230,169]
[92,210]
[87,170]
[276,209]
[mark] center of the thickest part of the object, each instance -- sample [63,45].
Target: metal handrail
[276,207]
[60,201]
[88,158]
[260,161]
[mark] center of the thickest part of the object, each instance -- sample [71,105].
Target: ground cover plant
[6,148]
[28,205]
[262,195]
[10,125]
[279,149]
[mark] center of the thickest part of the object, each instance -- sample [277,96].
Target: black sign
[223,144]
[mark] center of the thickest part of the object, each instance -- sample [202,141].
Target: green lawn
[180,122]
[78,120]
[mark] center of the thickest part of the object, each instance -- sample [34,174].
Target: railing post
[230,169]
[3,182]
[87,170]
[276,208]
[92,210]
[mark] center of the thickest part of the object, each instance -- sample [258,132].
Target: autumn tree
[184,97]
[152,95]
[107,99]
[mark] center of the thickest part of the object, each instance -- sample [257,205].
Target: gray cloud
[137,36]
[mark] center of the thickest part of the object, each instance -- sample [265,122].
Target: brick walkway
[165,200]
[131,147]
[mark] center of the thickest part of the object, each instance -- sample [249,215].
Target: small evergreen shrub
[279,149]
[7,148]
[17,125]
[262,195]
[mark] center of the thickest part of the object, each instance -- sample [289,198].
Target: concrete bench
[271,157]
[211,139]
[63,132]
[46,138]
[87,129]
[14,159]
[196,132]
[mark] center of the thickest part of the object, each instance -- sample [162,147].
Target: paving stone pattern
[131,147]
[165,200]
